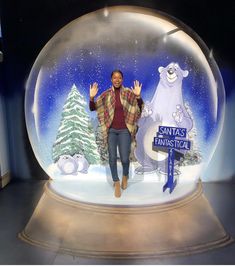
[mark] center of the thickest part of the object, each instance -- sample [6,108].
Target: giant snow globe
[182,87]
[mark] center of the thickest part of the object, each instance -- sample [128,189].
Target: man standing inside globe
[118,110]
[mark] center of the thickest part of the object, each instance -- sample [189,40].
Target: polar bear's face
[67,164]
[82,162]
[78,157]
[64,158]
[172,74]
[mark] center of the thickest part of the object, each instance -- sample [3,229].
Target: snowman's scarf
[105,106]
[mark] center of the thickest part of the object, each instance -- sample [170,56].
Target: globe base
[183,227]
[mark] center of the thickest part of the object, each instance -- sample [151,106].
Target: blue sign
[171,143]
[169,137]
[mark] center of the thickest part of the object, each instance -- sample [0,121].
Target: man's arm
[93,92]
[140,103]
[92,104]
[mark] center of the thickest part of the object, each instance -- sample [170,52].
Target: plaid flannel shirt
[105,107]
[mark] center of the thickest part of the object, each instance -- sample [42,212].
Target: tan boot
[124,182]
[117,189]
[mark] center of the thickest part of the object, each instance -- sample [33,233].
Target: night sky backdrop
[27,27]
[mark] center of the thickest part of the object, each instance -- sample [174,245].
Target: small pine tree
[192,156]
[102,146]
[75,134]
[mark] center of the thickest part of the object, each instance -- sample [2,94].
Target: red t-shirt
[118,118]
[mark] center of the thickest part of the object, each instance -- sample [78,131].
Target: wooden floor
[18,201]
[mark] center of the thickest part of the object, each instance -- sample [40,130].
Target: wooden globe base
[186,226]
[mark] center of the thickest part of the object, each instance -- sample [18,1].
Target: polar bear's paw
[147,111]
[178,114]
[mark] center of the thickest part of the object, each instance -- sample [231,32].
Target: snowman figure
[82,163]
[67,165]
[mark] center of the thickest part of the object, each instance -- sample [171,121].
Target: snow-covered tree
[75,134]
[102,146]
[192,156]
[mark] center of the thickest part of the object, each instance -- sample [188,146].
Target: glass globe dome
[144,44]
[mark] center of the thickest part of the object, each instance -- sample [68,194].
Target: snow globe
[182,89]
[65,135]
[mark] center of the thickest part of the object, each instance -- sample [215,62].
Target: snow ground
[97,186]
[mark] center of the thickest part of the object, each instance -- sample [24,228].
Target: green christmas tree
[75,134]
[192,156]
[102,146]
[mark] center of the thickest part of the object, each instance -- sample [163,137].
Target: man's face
[117,80]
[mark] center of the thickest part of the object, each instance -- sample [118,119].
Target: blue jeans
[121,139]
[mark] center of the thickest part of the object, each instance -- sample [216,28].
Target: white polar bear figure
[67,165]
[82,162]
[167,103]
[166,108]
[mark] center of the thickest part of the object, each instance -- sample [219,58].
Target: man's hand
[93,90]
[137,88]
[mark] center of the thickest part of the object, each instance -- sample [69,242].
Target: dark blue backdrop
[28,25]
